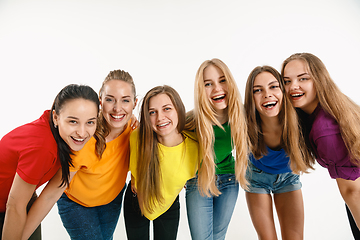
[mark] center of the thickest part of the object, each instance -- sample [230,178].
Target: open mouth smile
[297,95]
[163,125]
[269,105]
[117,117]
[78,140]
[218,97]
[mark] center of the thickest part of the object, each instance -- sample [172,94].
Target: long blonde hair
[103,129]
[333,101]
[148,162]
[204,117]
[291,138]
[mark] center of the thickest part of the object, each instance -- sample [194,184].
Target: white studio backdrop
[45,45]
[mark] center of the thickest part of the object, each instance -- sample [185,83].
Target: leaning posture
[331,123]
[162,158]
[41,151]
[278,156]
[219,122]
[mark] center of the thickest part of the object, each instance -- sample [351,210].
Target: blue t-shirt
[275,162]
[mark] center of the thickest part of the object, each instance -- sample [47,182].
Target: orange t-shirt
[99,181]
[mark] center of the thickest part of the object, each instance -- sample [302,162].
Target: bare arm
[350,191]
[41,207]
[15,217]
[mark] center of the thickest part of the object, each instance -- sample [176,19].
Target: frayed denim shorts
[263,182]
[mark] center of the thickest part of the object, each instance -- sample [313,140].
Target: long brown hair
[204,117]
[333,101]
[148,165]
[291,138]
[103,128]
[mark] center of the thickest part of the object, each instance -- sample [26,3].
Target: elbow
[351,195]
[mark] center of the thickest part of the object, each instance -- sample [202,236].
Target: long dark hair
[68,93]
[291,138]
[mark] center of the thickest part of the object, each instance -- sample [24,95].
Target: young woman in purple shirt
[331,122]
[278,154]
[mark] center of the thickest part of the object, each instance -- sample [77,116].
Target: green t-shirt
[224,160]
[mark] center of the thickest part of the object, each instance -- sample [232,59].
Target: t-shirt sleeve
[331,148]
[33,164]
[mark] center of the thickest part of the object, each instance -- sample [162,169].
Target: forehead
[211,72]
[78,106]
[264,78]
[114,87]
[159,100]
[295,67]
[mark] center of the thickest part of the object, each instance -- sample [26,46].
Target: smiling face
[300,86]
[163,117]
[117,103]
[216,88]
[267,95]
[76,122]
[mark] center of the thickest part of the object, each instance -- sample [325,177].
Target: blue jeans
[265,183]
[209,217]
[87,223]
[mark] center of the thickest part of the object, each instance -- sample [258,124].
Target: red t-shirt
[31,151]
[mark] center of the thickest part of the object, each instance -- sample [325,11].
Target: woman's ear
[55,118]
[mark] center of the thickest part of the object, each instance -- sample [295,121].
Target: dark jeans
[87,223]
[354,228]
[138,227]
[37,233]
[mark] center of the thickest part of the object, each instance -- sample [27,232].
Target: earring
[55,126]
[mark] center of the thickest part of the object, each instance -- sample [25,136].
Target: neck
[271,130]
[114,133]
[171,141]
[222,116]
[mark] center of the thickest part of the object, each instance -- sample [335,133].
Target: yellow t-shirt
[99,181]
[178,164]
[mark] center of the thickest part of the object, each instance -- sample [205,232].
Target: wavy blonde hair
[103,128]
[148,162]
[333,101]
[292,140]
[203,117]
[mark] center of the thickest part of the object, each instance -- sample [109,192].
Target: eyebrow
[169,104]
[300,75]
[221,77]
[108,95]
[76,118]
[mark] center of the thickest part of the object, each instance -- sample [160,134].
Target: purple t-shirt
[329,147]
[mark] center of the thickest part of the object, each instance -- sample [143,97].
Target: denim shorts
[262,182]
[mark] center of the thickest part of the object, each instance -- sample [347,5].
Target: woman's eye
[274,86]
[108,99]
[222,80]
[303,79]
[286,82]
[256,90]
[91,122]
[207,84]
[72,121]
[151,112]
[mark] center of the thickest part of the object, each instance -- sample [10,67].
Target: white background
[45,45]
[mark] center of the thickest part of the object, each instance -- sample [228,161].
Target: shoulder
[324,124]
[190,134]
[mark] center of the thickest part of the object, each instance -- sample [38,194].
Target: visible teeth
[164,124]
[79,139]
[219,97]
[269,104]
[118,116]
[297,94]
